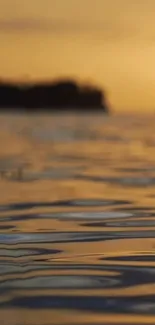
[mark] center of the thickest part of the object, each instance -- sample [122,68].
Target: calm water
[77,220]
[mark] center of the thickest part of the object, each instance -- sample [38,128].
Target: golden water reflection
[77,220]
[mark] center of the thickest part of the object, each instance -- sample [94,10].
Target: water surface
[77,219]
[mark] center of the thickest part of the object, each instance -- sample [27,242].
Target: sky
[110,43]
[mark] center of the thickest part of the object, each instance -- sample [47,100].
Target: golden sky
[108,42]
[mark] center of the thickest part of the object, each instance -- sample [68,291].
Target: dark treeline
[60,95]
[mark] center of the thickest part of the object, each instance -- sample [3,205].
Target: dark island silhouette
[59,95]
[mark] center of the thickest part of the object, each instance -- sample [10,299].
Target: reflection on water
[77,220]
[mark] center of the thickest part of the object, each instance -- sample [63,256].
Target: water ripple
[63,237]
[117,305]
[63,203]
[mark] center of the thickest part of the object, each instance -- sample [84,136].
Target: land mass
[59,95]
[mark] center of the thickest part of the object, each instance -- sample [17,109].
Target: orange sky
[109,42]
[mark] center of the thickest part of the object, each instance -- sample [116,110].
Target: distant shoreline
[60,96]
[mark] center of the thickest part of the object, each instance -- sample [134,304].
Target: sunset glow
[110,43]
